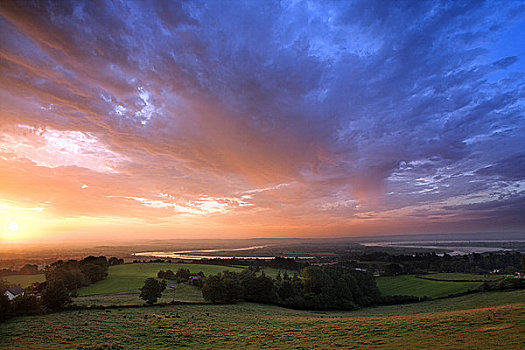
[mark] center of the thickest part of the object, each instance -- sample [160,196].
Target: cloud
[201,206]
[506,62]
[334,110]
[510,168]
[53,148]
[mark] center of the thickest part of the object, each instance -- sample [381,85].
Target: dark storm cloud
[389,104]
[510,168]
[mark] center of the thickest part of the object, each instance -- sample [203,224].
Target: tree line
[420,263]
[63,278]
[318,288]
[292,264]
[27,269]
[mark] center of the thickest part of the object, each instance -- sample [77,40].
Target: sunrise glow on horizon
[124,120]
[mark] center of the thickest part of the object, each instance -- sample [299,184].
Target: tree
[259,289]
[94,272]
[393,270]
[152,290]
[115,261]
[5,304]
[69,272]
[183,274]
[27,304]
[74,279]
[213,290]
[223,288]
[169,275]
[29,269]
[55,296]
[278,277]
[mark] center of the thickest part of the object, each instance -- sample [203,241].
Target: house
[196,280]
[14,292]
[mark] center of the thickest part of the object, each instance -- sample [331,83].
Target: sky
[131,120]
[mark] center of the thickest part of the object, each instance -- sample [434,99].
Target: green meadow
[130,277]
[411,285]
[180,292]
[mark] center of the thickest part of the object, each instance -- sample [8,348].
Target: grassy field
[253,326]
[411,285]
[475,321]
[465,302]
[24,280]
[130,277]
[182,292]
[462,276]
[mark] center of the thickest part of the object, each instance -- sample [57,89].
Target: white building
[14,292]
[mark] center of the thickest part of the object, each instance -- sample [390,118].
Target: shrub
[152,290]
[55,296]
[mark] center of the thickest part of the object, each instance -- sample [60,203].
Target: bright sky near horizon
[237,119]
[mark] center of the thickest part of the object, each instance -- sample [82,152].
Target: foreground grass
[252,326]
[411,285]
[24,280]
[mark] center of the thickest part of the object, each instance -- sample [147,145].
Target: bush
[26,304]
[259,289]
[504,283]
[152,290]
[183,274]
[55,297]
[5,304]
[169,275]
[223,288]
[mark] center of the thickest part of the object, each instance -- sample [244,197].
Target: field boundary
[130,306]
[445,280]
[450,280]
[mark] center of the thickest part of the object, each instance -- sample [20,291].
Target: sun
[11,232]
[13,226]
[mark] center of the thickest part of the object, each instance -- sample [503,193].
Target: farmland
[253,326]
[411,285]
[465,302]
[130,277]
[181,292]
[24,280]
[481,320]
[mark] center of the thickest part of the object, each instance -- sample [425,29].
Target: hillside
[252,326]
[412,285]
